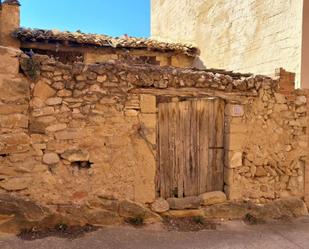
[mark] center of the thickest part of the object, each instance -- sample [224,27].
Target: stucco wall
[255,36]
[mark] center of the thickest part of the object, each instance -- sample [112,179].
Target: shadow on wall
[198,64]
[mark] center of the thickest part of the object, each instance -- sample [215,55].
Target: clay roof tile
[82,39]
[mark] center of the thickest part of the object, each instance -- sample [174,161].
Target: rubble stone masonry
[78,140]
[73,133]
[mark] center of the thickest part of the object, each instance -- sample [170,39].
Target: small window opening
[66,57]
[82,164]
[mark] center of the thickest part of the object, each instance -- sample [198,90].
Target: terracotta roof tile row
[82,39]
[12,2]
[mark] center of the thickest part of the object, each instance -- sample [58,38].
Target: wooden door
[190,146]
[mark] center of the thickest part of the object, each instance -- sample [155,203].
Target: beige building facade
[255,36]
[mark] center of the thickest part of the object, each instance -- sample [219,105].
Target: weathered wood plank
[186,109]
[163,149]
[180,150]
[219,155]
[197,135]
[216,144]
[211,144]
[173,171]
[192,92]
[203,137]
[191,175]
[219,122]
[215,179]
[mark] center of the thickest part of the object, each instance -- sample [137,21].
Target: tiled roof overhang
[94,40]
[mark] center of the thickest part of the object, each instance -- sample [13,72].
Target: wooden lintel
[192,92]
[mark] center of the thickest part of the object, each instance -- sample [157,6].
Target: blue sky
[111,17]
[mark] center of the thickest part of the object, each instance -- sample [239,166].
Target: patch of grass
[30,68]
[250,219]
[188,224]
[136,221]
[60,230]
[198,220]
[61,227]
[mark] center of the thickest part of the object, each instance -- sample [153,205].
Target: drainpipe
[9,22]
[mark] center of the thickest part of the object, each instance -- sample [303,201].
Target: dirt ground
[283,234]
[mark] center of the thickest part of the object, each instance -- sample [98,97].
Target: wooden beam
[62,47]
[192,92]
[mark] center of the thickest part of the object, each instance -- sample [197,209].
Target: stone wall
[250,36]
[267,147]
[82,139]
[73,135]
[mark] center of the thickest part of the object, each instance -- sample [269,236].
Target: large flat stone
[43,91]
[24,213]
[16,184]
[69,134]
[193,202]
[14,143]
[226,211]
[290,207]
[100,217]
[14,121]
[233,159]
[75,215]
[160,206]
[45,111]
[235,141]
[184,213]
[212,198]
[129,209]
[12,108]
[9,63]
[14,88]
[286,207]
[78,155]
[51,158]
[148,103]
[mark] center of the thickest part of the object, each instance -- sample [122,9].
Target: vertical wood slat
[191,176]
[219,156]
[203,137]
[163,149]
[216,143]
[219,122]
[197,127]
[173,170]
[186,109]
[181,148]
[211,144]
